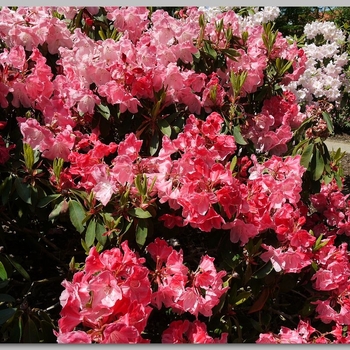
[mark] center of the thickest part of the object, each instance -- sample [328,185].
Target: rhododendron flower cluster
[141,131]
[196,292]
[112,296]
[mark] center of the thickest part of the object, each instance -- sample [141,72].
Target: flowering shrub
[195,194]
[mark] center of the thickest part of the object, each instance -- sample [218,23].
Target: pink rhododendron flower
[180,332]
[289,261]
[110,296]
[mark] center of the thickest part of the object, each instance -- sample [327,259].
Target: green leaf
[209,49]
[263,271]
[328,121]
[100,230]
[164,127]
[23,190]
[6,298]
[5,189]
[30,332]
[76,215]
[306,156]
[17,330]
[242,297]
[43,202]
[104,111]
[154,144]
[3,273]
[233,163]
[139,213]
[47,332]
[18,267]
[4,283]
[319,165]
[231,53]
[90,233]
[141,232]
[286,67]
[28,154]
[238,136]
[57,167]
[56,211]
[6,314]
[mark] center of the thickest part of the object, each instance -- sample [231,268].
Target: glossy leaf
[140,213]
[57,210]
[263,271]
[100,231]
[164,127]
[141,232]
[43,202]
[307,155]
[154,144]
[328,121]
[3,273]
[238,136]
[6,314]
[242,297]
[90,233]
[23,190]
[104,111]
[76,214]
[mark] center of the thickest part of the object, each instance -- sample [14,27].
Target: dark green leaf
[231,53]
[18,267]
[30,332]
[306,156]
[328,121]
[7,298]
[141,232]
[6,314]
[209,49]
[76,214]
[154,144]
[90,233]
[5,189]
[263,271]
[16,331]
[319,165]
[3,284]
[23,190]
[47,332]
[100,230]
[43,202]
